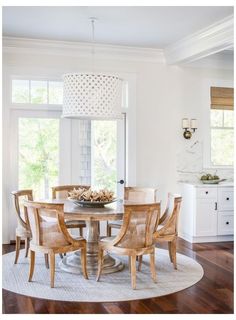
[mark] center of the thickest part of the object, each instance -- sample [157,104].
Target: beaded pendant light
[92,95]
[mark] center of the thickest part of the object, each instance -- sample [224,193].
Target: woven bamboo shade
[222,98]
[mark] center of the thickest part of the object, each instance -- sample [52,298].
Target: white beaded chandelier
[92,95]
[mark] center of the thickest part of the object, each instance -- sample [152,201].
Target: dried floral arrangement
[83,194]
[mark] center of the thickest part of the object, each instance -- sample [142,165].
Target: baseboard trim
[14,242]
[207,239]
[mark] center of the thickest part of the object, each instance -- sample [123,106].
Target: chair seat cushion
[75,223]
[22,232]
[107,239]
[117,223]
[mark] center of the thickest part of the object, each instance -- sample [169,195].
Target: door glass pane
[38,155]
[20,91]
[104,151]
[39,92]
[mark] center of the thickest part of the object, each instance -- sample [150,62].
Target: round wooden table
[92,216]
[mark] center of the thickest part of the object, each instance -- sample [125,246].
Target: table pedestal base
[72,264]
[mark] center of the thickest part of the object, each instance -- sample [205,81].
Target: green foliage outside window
[222,137]
[104,155]
[38,155]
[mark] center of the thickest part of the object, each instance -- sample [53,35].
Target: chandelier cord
[92,19]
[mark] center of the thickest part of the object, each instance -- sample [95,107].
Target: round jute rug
[111,287]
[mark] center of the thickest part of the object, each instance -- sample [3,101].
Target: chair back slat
[19,197]
[145,195]
[61,192]
[171,215]
[138,225]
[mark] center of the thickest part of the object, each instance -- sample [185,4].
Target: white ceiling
[153,27]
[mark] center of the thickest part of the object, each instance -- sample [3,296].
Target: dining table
[92,216]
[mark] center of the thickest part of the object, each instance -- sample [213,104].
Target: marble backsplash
[190,165]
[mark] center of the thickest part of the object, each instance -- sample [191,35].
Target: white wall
[164,95]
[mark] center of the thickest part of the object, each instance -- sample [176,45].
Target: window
[222,127]
[37,92]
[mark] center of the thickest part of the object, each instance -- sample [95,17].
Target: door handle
[215,205]
[121,181]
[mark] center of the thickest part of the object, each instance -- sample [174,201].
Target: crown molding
[80,49]
[215,38]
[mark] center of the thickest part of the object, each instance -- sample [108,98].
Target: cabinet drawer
[225,224]
[207,193]
[225,199]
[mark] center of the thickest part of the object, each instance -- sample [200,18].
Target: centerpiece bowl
[92,199]
[92,204]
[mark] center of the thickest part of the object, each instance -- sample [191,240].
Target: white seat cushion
[116,222]
[107,239]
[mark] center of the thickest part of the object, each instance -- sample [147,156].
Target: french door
[108,155]
[45,151]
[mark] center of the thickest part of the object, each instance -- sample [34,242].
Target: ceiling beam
[215,38]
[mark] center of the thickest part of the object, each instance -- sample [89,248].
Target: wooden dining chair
[167,229]
[144,195]
[135,237]
[22,229]
[50,235]
[61,192]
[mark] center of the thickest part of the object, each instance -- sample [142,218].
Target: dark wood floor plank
[213,294]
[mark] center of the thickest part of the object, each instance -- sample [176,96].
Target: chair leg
[17,249]
[133,272]
[32,262]
[46,260]
[173,253]
[152,267]
[140,260]
[100,262]
[169,248]
[84,262]
[129,263]
[108,230]
[52,268]
[27,241]
[81,232]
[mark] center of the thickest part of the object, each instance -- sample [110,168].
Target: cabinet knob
[227,198]
[227,222]
[206,192]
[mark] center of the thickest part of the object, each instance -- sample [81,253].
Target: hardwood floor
[213,294]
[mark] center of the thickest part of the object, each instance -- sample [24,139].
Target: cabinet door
[206,217]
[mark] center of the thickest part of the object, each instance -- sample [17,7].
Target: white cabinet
[206,218]
[207,213]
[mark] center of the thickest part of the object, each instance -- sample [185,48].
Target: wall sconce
[185,125]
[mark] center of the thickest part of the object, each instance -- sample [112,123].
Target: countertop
[201,185]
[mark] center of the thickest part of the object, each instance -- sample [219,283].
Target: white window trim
[207,164]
